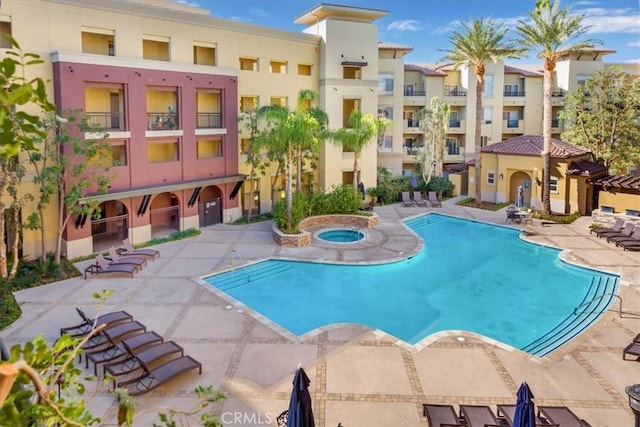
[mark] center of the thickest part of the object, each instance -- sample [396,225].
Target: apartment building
[169,82]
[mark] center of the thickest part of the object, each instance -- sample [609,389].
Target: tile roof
[531,145]
[585,168]
[393,46]
[629,182]
[508,69]
[424,70]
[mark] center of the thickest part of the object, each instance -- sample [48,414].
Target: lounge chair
[118,259]
[117,350]
[479,416]
[508,413]
[616,227]
[614,230]
[102,266]
[632,349]
[417,198]
[88,324]
[625,232]
[115,333]
[441,415]
[634,237]
[562,416]
[129,250]
[629,246]
[152,378]
[406,199]
[149,356]
[433,199]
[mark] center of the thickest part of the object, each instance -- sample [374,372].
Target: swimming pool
[469,276]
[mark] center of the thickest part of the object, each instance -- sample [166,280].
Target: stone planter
[322,221]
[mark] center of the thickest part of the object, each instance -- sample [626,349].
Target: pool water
[341,236]
[469,276]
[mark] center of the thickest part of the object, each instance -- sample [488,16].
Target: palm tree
[307,102]
[552,32]
[360,133]
[476,44]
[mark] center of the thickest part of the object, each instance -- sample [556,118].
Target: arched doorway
[210,206]
[164,214]
[109,225]
[520,179]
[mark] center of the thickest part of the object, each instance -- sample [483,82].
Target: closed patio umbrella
[525,415]
[520,197]
[414,182]
[300,411]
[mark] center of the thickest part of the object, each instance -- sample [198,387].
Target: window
[385,84]
[453,146]
[348,105]
[487,114]
[98,41]
[163,151]
[553,184]
[248,103]
[582,79]
[491,177]
[104,105]
[161,111]
[247,186]
[245,144]
[386,112]
[208,109]
[487,90]
[352,73]
[209,149]
[5,28]
[109,155]
[248,64]
[278,100]
[511,90]
[387,143]
[155,48]
[204,54]
[304,69]
[278,67]
[485,140]
[454,119]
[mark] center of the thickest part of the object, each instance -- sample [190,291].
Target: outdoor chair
[433,199]
[508,413]
[406,199]
[129,250]
[632,349]
[152,378]
[115,333]
[511,214]
[102,266]
[633,237]
[118,259]
[117,350]
[417,198]
[616,227]
[479,415]
[625,232]
[148,356]
[88,324]
[562,416]
[629,245]
[441,415]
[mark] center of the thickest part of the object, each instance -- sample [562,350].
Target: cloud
[406,25]
[259,12]
[610,21]
[632,61]
[239,19]
[455,25]
[633,44]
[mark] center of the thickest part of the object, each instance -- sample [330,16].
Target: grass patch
[254,218]
[176,235]
[470,202]
[558,218]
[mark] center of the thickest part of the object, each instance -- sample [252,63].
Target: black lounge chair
[152,378]
[87,325]
[417,198]
[102,266]
[562,416]
[626,232]
[632,349]
[479,416]
[129,250]
[115,333]
[148,356]
[508,413]
[634,237]
[119,259]
[118,350]
[441,415]
[433,199]
[617,226]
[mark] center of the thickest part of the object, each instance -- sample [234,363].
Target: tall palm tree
[360,133]
[552,32]
[474,46]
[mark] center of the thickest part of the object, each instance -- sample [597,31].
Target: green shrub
[559,218]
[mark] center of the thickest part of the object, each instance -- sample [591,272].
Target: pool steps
[238,277]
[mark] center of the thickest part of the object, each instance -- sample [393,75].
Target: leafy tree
[552,32]
[360,133]
[14,171]
[474,46]
[68,165]
[434,123]
[250,121]
[603,117]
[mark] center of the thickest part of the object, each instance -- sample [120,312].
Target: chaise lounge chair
[129,250]
[433,199]
[614,231]
[630,246]
[115,333]
[119,259]
[634,237]
[417,197]
[616,227]
[479,416]
[88,324]
[441,415]
[562,416]
[102,266]
[632,349]
[152,378]
[117,350]
[508,413]
[626,232]
[406,199]
[148,356]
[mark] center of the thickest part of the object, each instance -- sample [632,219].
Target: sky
[426,25]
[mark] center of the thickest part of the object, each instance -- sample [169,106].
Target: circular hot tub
[341,235]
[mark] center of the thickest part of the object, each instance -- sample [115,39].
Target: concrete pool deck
[358,377]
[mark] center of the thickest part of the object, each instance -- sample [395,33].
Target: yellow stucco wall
[619,201]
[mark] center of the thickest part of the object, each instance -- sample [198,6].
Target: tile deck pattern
[358,377]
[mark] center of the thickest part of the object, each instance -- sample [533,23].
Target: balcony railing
[454,123]
[209,121]
[453,150]
[413,123]
[454,90]
[560,93]
[513,93]
[411,92]
[163,121]
[108,121]
[513,123]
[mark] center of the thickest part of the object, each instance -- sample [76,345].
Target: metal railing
[209,121]
[163,121]
[242,263]
[108,121]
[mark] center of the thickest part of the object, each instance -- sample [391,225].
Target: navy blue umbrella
[525,415]
[300,412]
[414,182]
[520,197]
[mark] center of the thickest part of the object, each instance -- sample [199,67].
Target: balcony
[209,121]
[162,121]
[454,90]
[411,126]
[457,126]
[512,126]
[557,126]
[508,93]
[557,98]
[107,121]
